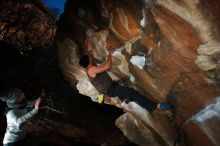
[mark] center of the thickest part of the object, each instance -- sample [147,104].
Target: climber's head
[16,98]
[84,61]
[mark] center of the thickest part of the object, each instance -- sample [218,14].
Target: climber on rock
[105,85]
[17,115]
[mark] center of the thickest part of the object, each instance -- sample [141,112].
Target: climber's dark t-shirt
[101,82]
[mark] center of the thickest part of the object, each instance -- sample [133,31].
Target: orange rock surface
[179,42]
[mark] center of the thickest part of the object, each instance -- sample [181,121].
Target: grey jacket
[17,124]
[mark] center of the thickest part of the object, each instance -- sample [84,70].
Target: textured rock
[123,22]
[27,24]
[86,88]
[205,62]
[68,59]
[142,127]
[157,124]
[130,126]
[182,35]
[201,129]
[208,56]
[168,50]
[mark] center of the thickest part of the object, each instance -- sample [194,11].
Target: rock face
[26,24]
[168,50]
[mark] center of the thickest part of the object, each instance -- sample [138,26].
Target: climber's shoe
[100,98]
[165,106]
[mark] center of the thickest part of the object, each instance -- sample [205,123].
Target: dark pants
[131,95]
[16,143]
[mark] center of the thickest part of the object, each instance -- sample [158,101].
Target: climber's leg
[131,95]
